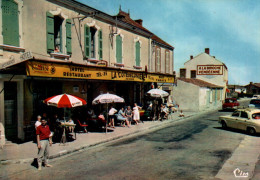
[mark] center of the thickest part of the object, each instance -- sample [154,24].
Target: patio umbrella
[157,93]
[107,98]
[64,101]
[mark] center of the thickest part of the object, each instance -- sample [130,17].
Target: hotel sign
[34,68]
[209,69]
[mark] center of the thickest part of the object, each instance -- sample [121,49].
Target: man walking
[44,141]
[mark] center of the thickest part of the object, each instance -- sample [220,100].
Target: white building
[201,83]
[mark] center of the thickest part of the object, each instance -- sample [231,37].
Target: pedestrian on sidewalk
[44,140]
[136,116]
[111,116]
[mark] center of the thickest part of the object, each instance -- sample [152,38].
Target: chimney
[139,21]
[191,57]
[207,51]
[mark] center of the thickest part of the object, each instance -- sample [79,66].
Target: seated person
[91,113]
[165,111]
[101,117]
[129,114]
[121,116]
[181,114]
[71,128]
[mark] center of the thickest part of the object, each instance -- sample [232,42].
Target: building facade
[208,75]
[253,88]
[63,46]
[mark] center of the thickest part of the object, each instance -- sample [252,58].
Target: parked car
[243,119]
[256,97]
[254,103]
[230,103]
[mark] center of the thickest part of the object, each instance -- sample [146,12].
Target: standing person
[38,122]
[111,116]
[129,114]
[44,140]
[136,116]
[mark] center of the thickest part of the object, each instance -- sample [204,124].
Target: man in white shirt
[111,116]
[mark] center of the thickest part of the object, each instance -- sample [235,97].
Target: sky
[230,28]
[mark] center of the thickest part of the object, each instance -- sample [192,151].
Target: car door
[232,121]
[243,120]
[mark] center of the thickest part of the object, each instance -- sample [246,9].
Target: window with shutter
[100,45]
[50,32]
[158,60]
[137,53]
[119,49]
[10,23]
[68,36]
[87,41]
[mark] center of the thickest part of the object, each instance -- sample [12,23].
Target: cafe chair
[83,126]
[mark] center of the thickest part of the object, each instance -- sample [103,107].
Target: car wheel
[224,125]
[251,131]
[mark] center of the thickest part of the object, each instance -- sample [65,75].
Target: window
[58,33]
[100,50]
[118,49]
[193,74]
[57,28]
[235,114]
[10,23]
[92,42]
[256,116]
[167,62]
[158,60]
[183,73]
[137,53]
[244,114]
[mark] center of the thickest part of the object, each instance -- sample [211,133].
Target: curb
[120,137]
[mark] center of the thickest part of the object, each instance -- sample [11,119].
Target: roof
[254,84]
[209,56]
[125,17]
[199,82]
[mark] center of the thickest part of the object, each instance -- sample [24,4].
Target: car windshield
[256,116]
[229,100]
[236,114]
[255,101]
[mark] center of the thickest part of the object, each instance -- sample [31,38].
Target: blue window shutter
[10,23]
[50,32]
[100,44]
[137,53]
[68,36]
[87,40]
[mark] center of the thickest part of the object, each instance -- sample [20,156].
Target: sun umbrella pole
[107,118]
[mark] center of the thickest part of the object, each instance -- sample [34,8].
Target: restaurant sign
[34,68]
[209,69]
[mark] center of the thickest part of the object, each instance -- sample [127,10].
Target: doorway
[10,111]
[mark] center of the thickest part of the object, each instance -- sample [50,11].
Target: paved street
[190,149]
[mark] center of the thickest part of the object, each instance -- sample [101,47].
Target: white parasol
[158,93]
[107,98]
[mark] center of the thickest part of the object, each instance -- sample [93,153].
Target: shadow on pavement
[237,131]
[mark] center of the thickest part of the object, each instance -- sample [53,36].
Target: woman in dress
[136,113]
[122,116]
[129,114]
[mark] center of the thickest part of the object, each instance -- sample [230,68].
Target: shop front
[44,79]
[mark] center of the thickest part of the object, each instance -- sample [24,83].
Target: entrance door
[10,104]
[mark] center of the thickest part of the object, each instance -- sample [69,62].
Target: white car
[256,97]
[243,119]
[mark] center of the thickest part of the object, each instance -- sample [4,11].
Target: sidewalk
[26,152]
